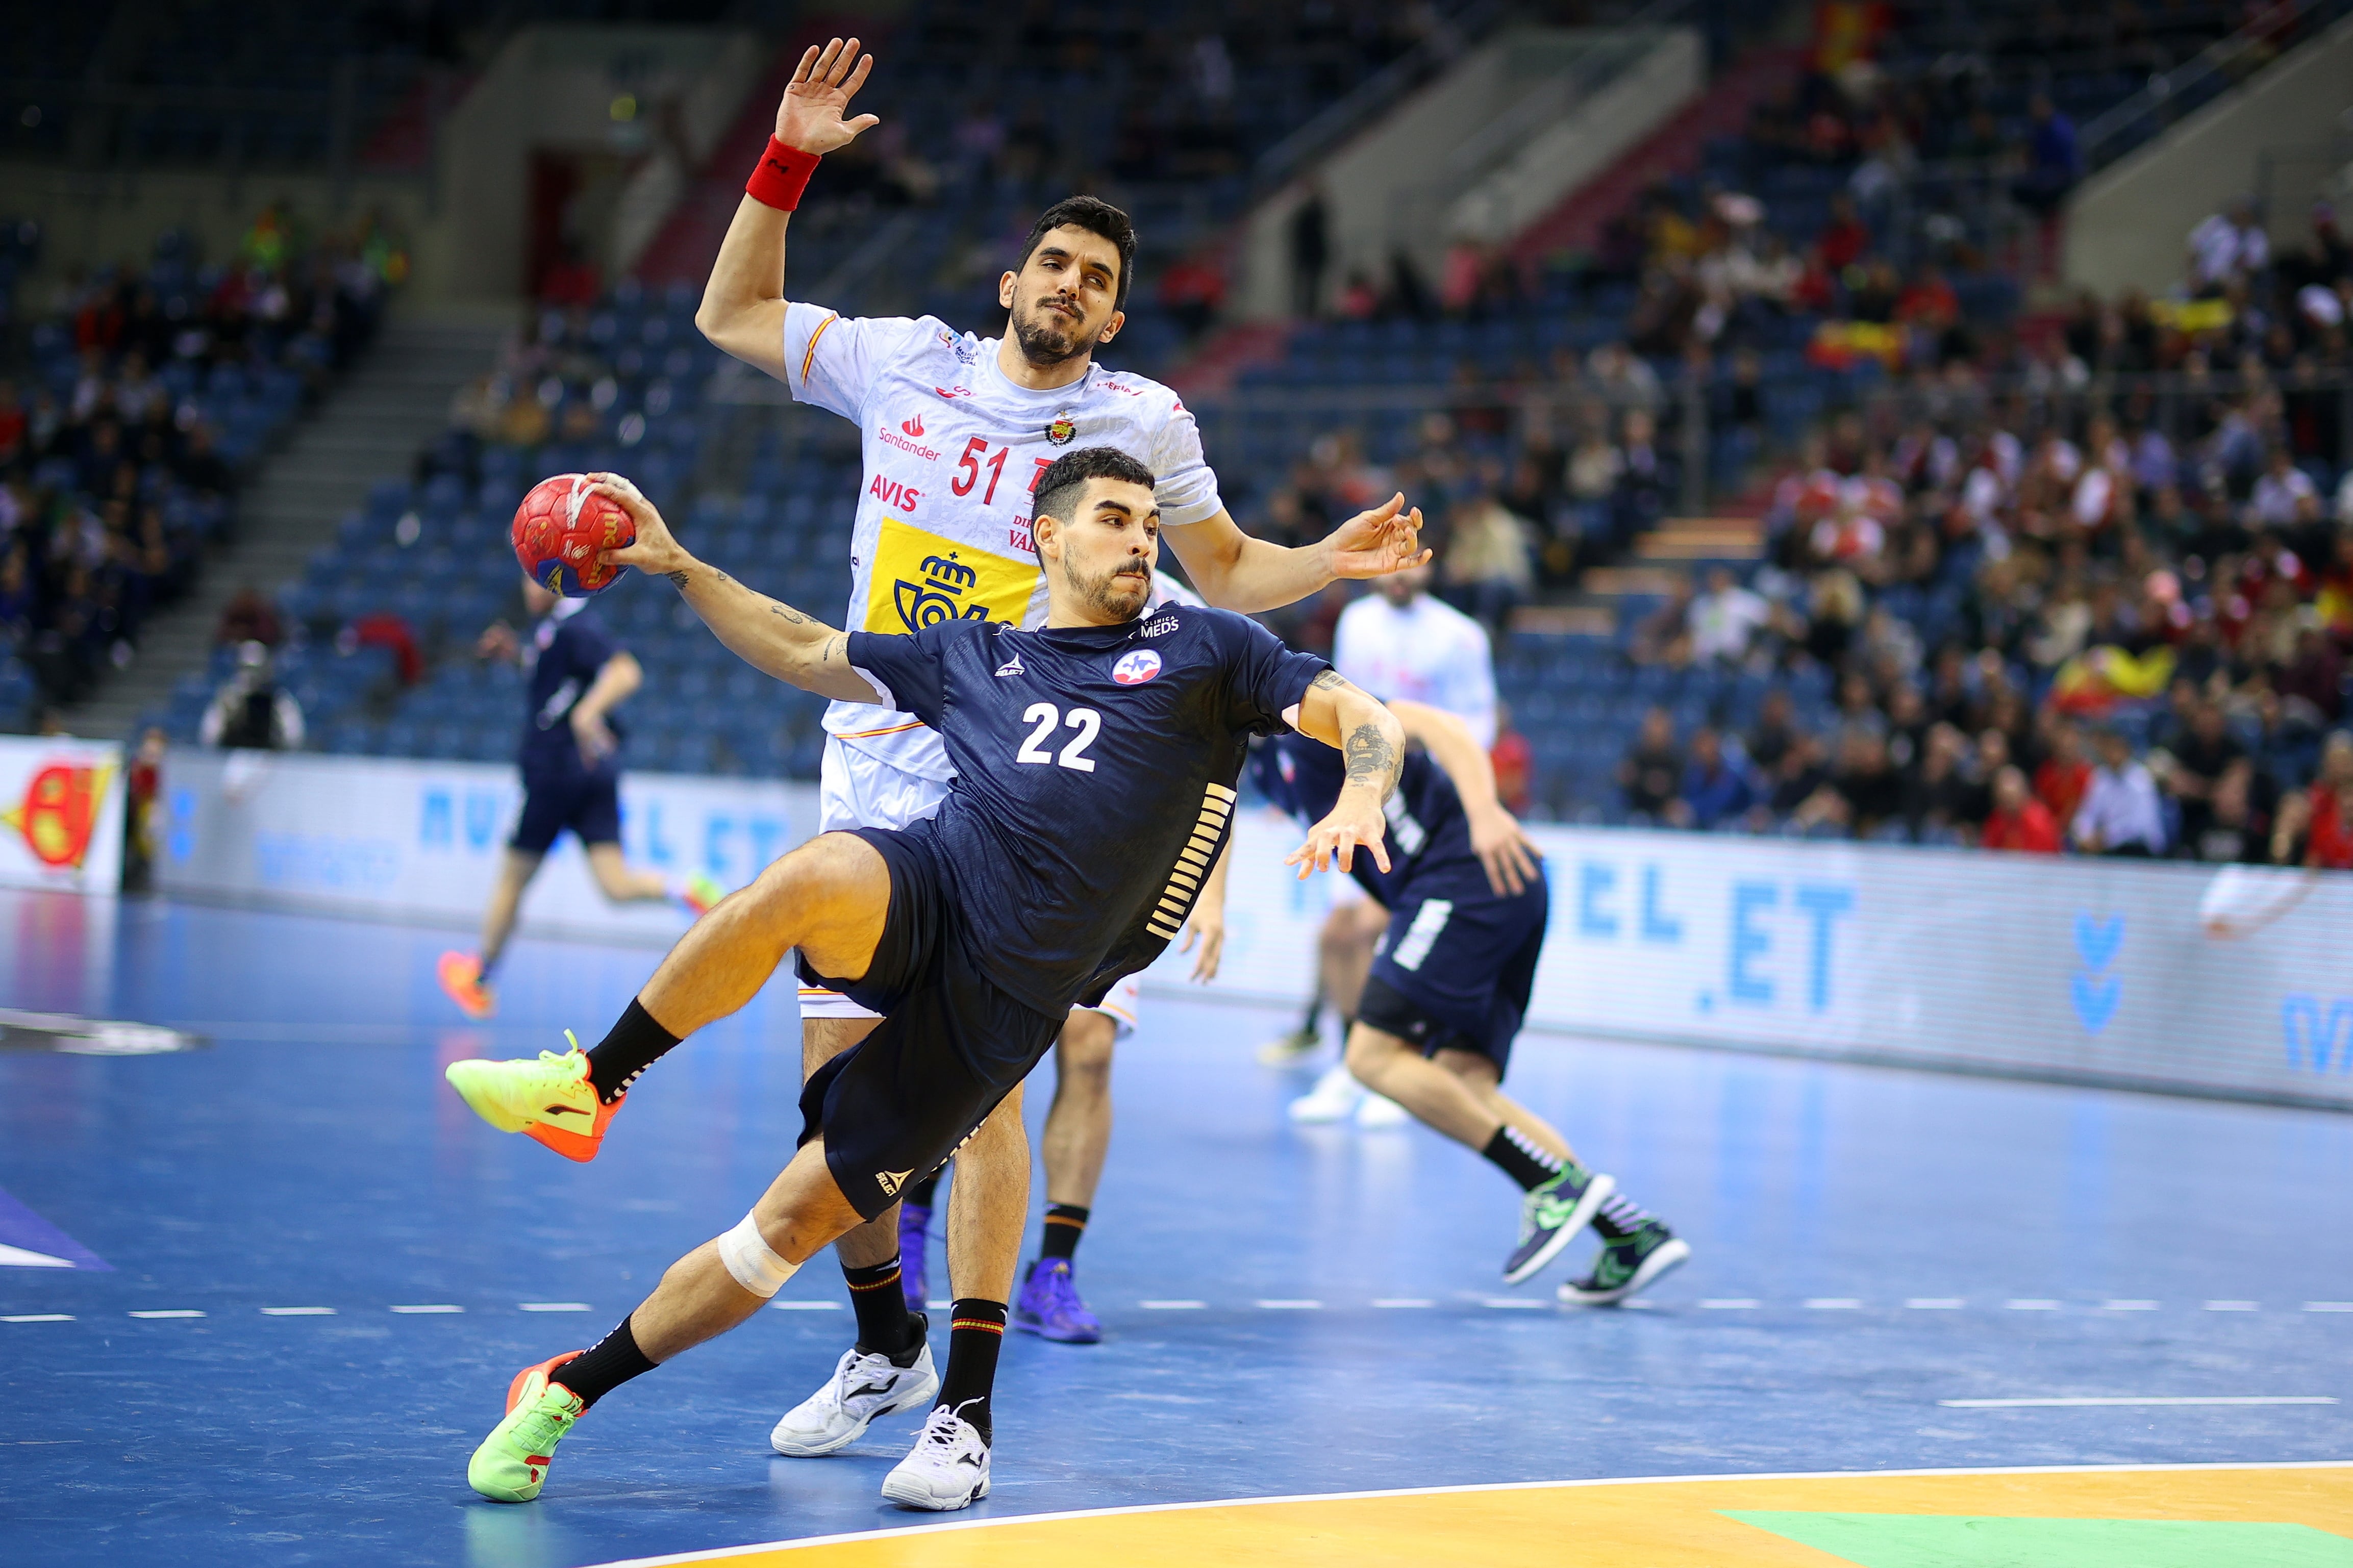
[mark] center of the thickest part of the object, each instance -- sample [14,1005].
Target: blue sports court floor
[320,1272]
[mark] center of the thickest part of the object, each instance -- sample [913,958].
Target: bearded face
[1064,301]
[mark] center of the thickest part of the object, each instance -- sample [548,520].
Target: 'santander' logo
[59,812]
[913,426]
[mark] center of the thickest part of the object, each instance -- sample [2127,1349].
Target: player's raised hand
[1377,542]
[1355,823]
[655,549]
[810,115]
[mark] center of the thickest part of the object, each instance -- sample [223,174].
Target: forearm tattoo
[678,579]
[790,613]
[1371,759]
[1328,680]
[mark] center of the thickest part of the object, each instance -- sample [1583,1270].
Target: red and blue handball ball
[561,532]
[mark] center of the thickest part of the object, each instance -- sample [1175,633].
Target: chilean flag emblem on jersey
[1135,669]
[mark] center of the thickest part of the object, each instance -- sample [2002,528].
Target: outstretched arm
[1496,838]
[769,636]
[1235,571]
[1370,740]
[743,308]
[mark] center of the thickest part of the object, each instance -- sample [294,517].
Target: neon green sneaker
[512,1463]
[551,1100]
[700,893]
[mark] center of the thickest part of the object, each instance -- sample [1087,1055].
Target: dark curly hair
[1096,216]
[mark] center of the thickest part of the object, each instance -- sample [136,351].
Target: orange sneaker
[460,974]
[580,1146]
[515,1389]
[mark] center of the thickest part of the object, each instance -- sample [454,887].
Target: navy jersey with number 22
[1095,777]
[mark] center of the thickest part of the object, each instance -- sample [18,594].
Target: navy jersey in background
[562,656]
[1429,836]
[1094,775]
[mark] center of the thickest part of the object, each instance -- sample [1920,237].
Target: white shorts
[859,790]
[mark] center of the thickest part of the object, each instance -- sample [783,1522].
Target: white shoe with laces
[947,1470]
[1377,1110]
[864,1386]
[1334,1097]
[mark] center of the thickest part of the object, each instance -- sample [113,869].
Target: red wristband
[782,175]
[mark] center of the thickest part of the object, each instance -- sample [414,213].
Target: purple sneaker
[1050,1305]
[914,1234]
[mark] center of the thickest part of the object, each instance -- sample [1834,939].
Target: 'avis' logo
[892,493]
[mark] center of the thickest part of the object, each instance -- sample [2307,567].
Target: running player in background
[955,430]
[1400,642]
[1465,902]
[1095,758]
[571,778]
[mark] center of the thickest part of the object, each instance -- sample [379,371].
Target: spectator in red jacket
[2018,821]
[2329,843]
[2065,775]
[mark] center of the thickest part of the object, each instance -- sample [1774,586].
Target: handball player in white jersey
[956,429]
[1402,644]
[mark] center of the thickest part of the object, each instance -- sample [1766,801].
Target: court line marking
[1511,1303]
[432,1307]
[553,1307]
[1171,1306]
[170,1312]
[1286,1305]
[674,1560]
[39,1318]
[2138,1399]
[1403,1303]
[298,1311]
[2329,1306]
[797,1306]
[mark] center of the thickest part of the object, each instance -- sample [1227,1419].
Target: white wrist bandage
[755,1268]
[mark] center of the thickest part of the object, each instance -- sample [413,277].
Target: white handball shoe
[947,1470]
[1379,1110]
[1333,1098]
[864,1387]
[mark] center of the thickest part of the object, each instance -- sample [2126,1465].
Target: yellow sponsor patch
[920,579]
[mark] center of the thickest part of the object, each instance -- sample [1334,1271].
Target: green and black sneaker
[1551,1213]
[1628,1264]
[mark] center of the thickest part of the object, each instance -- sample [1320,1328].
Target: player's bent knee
[752,1261]
[1085,1045]
[1372,1052]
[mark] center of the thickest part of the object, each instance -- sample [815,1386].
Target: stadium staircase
[1576,224]
[373,423]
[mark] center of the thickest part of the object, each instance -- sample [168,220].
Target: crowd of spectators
[125,427]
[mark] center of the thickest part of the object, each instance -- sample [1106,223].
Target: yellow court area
[2287,1516]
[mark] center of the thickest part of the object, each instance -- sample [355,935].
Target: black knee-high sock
[635,1043]
[1521,1158]
[605,1366]
[885,1327]
[922,1194]
[975,1333]
[1065,1224]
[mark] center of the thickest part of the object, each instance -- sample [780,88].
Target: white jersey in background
[952,450]
[1429,652]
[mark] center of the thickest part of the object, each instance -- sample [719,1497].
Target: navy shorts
[588,804]
[894,1107]
[1456,966]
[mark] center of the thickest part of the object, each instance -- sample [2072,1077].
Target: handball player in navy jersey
[1450,983]
[1095,761]
[577,676]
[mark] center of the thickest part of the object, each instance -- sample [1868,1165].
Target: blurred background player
[1400,642]
[1077,1124]
[571,778]
[1435,1019]
[956,429]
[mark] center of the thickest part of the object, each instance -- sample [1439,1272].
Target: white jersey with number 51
[952,450]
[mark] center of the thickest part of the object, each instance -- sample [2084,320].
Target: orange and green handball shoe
[512,1463]
[550,1100]
[460,974]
